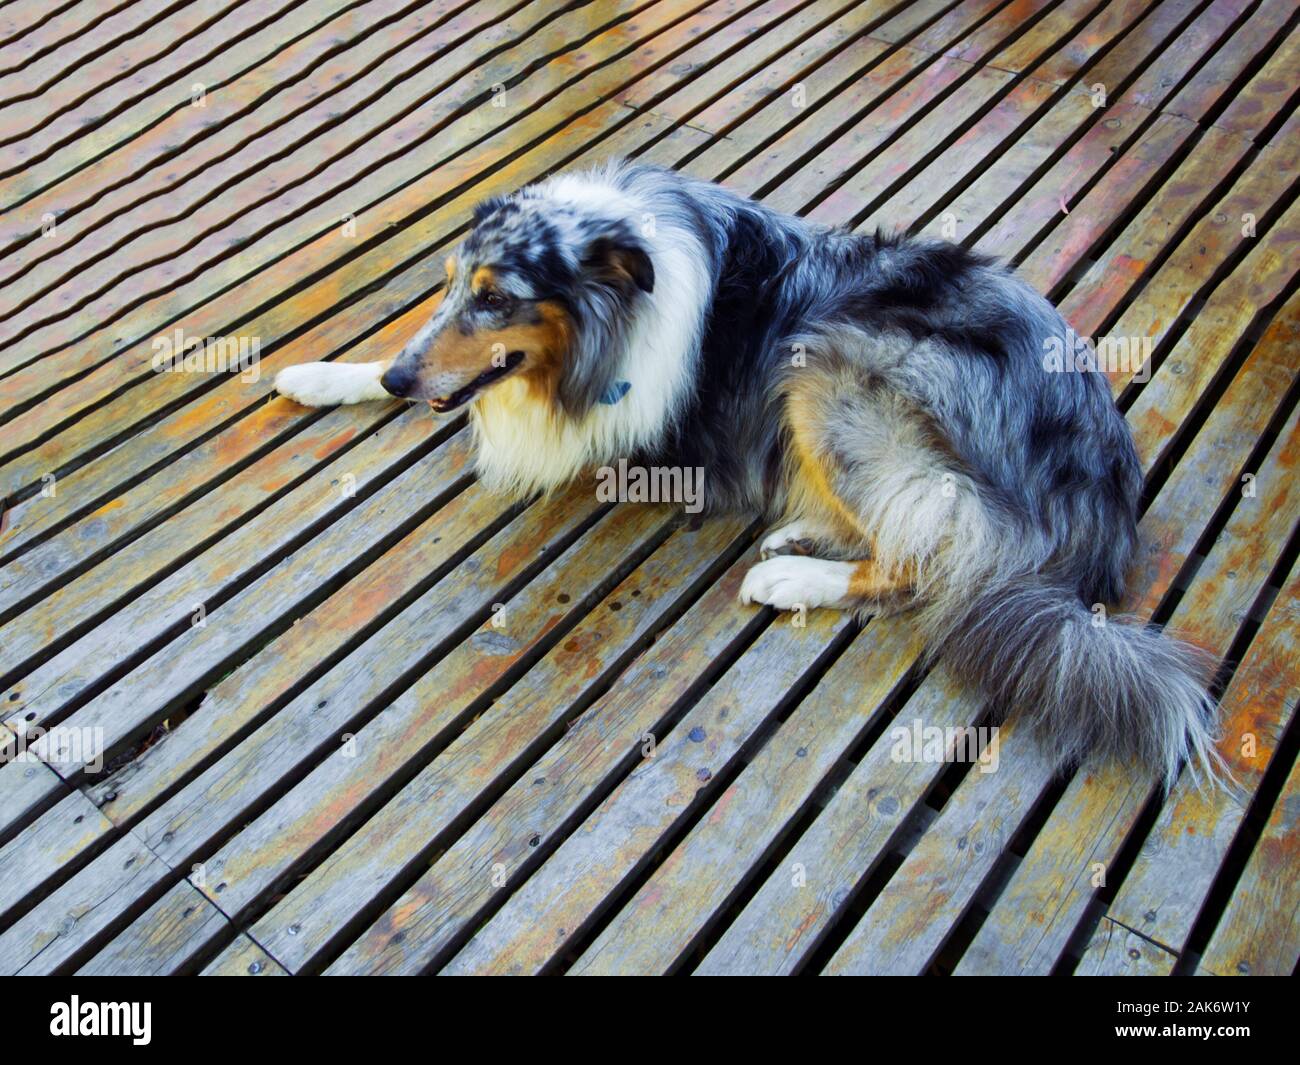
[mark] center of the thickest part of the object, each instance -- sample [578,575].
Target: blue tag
[615,392]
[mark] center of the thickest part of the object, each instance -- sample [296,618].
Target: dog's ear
[616,267]
[619,260]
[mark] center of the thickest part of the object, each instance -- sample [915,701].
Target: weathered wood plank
[981,86]
[572,886]
[154,390]
[809,56]
[222,795]
[843,82]
[1265,94]
[44,690]
[76,98]
[1076,233]
[18,22]
[27,784]
[1022,787]
[1122,952]
[40,850]
[1038,210]
[234,116]
[1035,204]
[1163,893]
[172,746]
[1259,933]
[99,59]
[890,93]
[1218,232]
[755,49]
[307,727]
[71,154]
[76,914]
[1082,29]
[177,457]
[693,884]
[1221,232]
[499,744]
[1017,157]
[1127,257]
[600,747]
[64,34]
[244,958]
[422,715]
[156,943]
[903,928]
[135,566]
[989,86]
[894,95]
[148,305]
[966,154]
[825,866]
[299,653]
[218,197]
[1163,405]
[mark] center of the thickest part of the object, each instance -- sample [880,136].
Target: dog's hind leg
[872,471]
[331,384]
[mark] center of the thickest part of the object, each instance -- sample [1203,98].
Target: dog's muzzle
[444,404]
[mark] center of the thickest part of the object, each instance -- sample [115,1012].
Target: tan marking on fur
[449,264]
[484,277]
[870,580]
[554,338]
[812,496]
[544,345]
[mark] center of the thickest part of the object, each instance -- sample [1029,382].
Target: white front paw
[310,384]
[327,384]
[790,582]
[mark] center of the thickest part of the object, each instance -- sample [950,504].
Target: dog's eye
[493,299]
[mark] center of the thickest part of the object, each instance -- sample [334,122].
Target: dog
[885,399]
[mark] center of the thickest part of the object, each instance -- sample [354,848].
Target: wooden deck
[359,716]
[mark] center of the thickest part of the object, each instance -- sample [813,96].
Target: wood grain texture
[244,958]
[157,942]
[691,887]
[499,744]
[426,730]
[598,748]
[73,917]
[539,919]
[1259,933]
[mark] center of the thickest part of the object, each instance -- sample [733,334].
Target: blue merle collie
[886,399]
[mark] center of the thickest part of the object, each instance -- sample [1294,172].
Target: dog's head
[543,287]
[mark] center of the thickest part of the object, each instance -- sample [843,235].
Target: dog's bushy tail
[1088,683]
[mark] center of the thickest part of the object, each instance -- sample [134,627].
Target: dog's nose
[398,379]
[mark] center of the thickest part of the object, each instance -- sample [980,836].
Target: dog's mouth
[444,404]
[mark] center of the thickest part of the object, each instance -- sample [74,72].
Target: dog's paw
[794,539]
[310,384]
[790,582]
[328,384]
